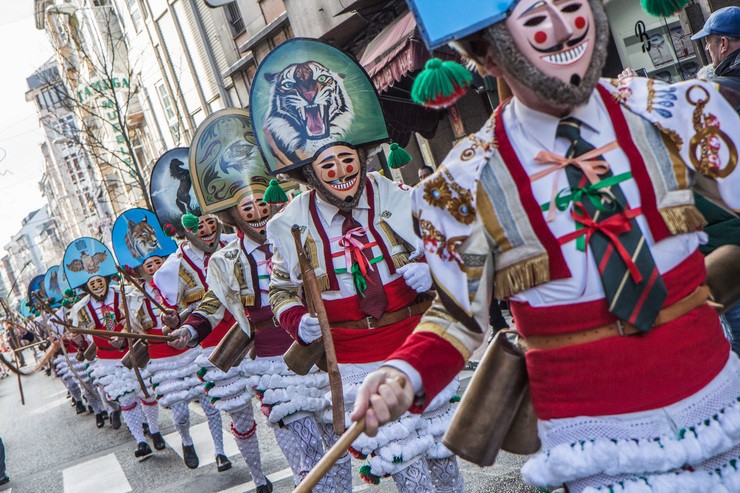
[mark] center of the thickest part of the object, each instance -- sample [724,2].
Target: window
[133,9]
[169,110]
[234,15]
[74,169]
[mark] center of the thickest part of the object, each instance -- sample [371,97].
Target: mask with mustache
[338,175]
[556,49]
[208,235]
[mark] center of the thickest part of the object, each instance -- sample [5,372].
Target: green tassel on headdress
[190,222]
[66,303]
[665,8]
[275,193]
[398,156]
[69,293]
[169,229]
[440,84]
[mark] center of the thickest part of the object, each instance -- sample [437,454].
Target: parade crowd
[278,272]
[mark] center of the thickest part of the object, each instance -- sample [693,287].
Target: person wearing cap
[578,206]
[721,35]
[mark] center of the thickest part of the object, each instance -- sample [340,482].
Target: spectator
[425,171]
[721,33]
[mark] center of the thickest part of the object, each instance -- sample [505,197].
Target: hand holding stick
[336,451]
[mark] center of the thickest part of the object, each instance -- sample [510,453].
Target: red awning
[396,51]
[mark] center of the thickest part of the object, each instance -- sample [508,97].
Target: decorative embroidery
[663,97]
[386,214]
[708,139]
[232,254]
[436,242]
[672,134]
[461,207]
[436,192]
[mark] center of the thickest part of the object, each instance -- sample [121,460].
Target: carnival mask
[151,265]
[252,214]
[208,233]
[97,286]
[339,174]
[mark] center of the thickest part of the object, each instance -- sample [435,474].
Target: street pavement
[51,449]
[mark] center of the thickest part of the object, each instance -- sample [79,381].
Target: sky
[24,49]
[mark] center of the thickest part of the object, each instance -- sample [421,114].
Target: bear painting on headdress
[179,171]
[309,108]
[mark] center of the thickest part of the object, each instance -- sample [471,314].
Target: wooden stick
[29,346]
[129,335]
[134,362]
[334,453]
[142,290]
[316,308]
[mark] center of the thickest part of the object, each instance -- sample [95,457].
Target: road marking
[203,443]
[102,475]
[274,478]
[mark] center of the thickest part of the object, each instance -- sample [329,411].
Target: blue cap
[725,22]
[442,21]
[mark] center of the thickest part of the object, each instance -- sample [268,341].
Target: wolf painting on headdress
[309,108]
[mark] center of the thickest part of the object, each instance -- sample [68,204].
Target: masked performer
[575,199]
[88,263]
[238,278]
[180,281]
[315,113]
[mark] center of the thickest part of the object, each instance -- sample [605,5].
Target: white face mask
[556,36]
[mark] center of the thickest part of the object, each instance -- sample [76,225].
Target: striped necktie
[373,299]
[632,284]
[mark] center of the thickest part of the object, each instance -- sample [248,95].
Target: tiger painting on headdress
[141,238]
[309,108]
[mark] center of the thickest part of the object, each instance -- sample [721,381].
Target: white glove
[183,335]
[309,329]
[417,276]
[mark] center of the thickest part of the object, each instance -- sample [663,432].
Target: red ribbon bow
[611,227]
[353,247]
[591,168]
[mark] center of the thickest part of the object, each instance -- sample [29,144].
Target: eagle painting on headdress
[88,263]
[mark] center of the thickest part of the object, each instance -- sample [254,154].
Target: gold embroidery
[437,243]
[429,326]
[707,137]
[389,233]
[522,276]
[192,297]
[491,222]
[671,134]
[682,219]
[436,192]
[400,259]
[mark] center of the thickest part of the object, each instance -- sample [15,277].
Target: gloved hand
[309,329]
[171,319]
[417,276]
[183,336]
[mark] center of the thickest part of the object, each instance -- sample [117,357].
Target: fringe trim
[522,276]
[323,282]
[682,219]
[690,446]
[400,259]
[247,300]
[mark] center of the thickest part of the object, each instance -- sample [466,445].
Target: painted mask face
[208,230]
[254,212]
[97,286]
[338,170]
[556,36]
[152,265]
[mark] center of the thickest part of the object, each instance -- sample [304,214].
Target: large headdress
[307,96]
[227,169]
[56,284]
[171,190]
[86,258]
[137,236]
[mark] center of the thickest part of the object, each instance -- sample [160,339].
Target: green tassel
[359,279]
[440,84]
[68,293]
[190,222]
[208,386]
[169,230]
[398,156]
[66,303]
[202,372]
[275,193]
[665,8]
[454,399]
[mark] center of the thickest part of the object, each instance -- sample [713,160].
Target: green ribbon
[594,194]
[357,277]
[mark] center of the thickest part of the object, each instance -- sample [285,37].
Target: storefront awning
[395,52]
